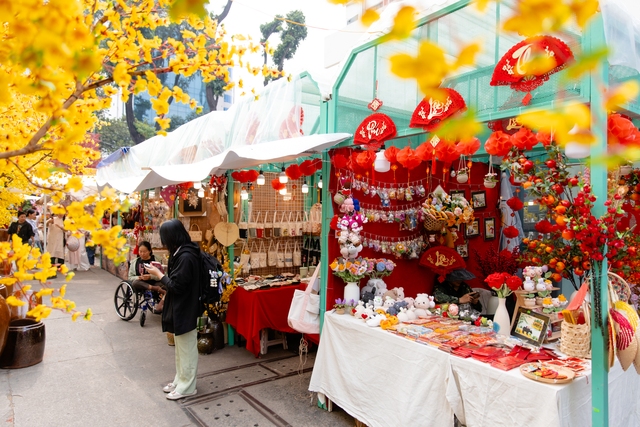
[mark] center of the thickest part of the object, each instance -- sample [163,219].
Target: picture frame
[473,229]
[489,228]
[478,199]
[463,249]
[458,193]
[187,209]
[530,326]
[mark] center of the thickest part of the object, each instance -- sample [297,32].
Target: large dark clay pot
[5,317]
[218,334]
[205,341]
[25,344]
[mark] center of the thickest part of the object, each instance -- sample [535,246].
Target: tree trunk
[212,100]
[225,11]
[131,119]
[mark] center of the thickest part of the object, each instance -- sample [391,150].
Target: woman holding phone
[182,306]
[140,279]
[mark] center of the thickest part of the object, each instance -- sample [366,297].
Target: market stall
[542,231]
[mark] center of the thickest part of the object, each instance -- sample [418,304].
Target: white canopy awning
[252,132]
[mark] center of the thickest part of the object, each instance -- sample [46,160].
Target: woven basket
[575,340]
[433,224]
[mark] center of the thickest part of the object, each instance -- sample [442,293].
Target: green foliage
[291,35]
[114,134]
[177,121]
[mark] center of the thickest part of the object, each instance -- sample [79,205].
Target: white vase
[501,320]
[351,292]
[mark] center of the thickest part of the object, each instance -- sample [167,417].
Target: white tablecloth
[385,380]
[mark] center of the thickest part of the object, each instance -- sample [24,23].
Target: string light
[283,178]
[201,192]
[260,180]
[243,194]
[320,182]
[305,188]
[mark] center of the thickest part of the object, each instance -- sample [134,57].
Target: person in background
[22,228]
[32,220]
[55,239]
[138,276]
[182,306]
[455,291]
[90,247]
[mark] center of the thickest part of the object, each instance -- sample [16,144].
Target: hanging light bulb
[305,188]
[197,185]
[320,182]
[381,163]
[283,178]
[283,191]
[122,197]
[213,190]
[243,194]
[201,192]
[260,180]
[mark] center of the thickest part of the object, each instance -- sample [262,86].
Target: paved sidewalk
[108,372]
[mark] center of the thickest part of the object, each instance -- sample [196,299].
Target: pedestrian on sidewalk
[21,227]
[32,220]
[181,305]
[55,240]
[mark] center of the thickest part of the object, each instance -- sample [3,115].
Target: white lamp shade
[283,191]
[283,178]
[305,188]
[577,150]
[260,179]
[381,163]
[201,192]
[197,185]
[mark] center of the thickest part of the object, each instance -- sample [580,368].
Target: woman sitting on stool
[138,276]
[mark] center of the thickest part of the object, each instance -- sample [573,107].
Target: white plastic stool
[280,338]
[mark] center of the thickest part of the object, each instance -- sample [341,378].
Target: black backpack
[210,283]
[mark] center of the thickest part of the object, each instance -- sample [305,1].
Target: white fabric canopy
[269,129]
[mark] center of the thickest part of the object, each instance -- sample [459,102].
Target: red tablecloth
[251,311]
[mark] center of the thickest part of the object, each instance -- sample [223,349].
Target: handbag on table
[243,226]
[262,255]
[304,312]
[268,226]
[279,256]
[288,256]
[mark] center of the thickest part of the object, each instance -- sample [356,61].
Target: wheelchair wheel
[126,301]
[143,317]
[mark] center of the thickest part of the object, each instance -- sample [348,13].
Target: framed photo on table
[530,326]
[489,228]
[478,199]
[473,229]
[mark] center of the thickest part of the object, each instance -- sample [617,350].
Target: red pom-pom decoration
[317,164]
[293,171]
[498,144]
[524,139]
[544,137]
[277,185]
[307,168]
[425,151]
[447,152]
[621,130]
[391,153]
[365,159]
[544,227]
[339,161]
[515,204]
[407,157]
[468,147]
[510,232]
[252,175]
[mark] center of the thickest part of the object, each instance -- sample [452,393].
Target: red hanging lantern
[391,153]
[431,111]
[498,144]
[374,130]
[468,147]
[524,139]
[620,130]
[517,67]
[407,157]
[510,232]
[339,161]
[293,172]
[277,185]
[365,159]
[252,175]
[447,152]
[236,175]
[425,151]
[545,138]
[317,164]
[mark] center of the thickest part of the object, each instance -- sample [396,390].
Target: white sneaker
[174,395]
[169,388]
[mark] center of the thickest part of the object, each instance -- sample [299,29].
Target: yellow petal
[467,55]
[369,17]
[621,94]
[15,302]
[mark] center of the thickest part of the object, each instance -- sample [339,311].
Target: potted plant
[529,300]
[339,306]
[541,296]
[463,175]
[350,271]
[490,180]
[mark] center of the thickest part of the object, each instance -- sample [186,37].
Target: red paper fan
[407,157]
[524,139]
[365,159]
[293,171]
[468,147]
[511,69]
[447,152]
[339,161]
[433,110]
[391,153]
[498,144]
[510,232]
[277,185]
[374,130]
[515,203]
[442,260]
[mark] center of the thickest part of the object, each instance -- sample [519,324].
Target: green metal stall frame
[366,74]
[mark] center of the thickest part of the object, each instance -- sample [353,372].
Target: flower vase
[218,332]
[339,310]
[501,320]
[352,292]
[205,341]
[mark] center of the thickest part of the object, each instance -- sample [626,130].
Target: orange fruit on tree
[527,184]
[560,209]
[549,249]
[561,220]
[556,277]
[560,266]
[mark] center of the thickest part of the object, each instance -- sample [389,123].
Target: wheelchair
[127,301]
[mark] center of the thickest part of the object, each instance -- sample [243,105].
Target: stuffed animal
[391,293]
[411,314]
[375,320]
[343,237]
[377,302]
[358,310]
[368,297]
[402,315]
[410,302]
[421,304]
[388,303]
[432,302]
[347,206]
[399,294]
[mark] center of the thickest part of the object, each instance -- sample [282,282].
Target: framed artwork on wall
[478,199]
[473,229]
[489,228]
[458,193]
[192,205]
[463,249]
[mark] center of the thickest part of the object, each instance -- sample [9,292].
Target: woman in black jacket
[181,305]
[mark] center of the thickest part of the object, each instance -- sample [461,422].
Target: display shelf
[520,301]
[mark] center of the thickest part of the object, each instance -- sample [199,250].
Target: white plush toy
[375,320]
[402,316]
[359,310]
[410,302]
[399,293]
[377,301]
[432,303]
[422,304]
[388,303]
[411,314]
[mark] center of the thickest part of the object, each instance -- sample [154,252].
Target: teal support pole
[327,112]
[230,249]
[599,337]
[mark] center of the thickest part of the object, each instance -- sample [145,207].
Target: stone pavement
[108,372]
